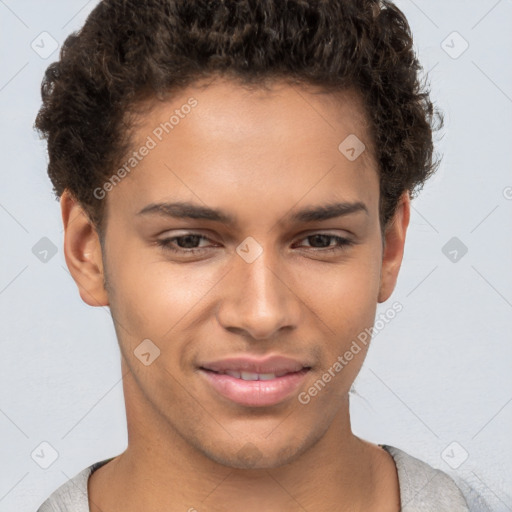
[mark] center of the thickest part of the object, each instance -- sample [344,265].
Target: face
[246,247]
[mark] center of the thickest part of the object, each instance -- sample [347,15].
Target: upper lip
[272,364]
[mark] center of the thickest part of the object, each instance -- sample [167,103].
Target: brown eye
[186,243]
[322,242]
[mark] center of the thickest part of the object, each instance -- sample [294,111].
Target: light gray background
[439,373]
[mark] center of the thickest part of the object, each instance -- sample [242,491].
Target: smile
[254,389]
[251,376]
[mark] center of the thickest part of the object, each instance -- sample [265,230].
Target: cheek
[344,296]
[154,297]
[346,304]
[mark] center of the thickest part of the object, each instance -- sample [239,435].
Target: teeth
[267,376]
[250,375]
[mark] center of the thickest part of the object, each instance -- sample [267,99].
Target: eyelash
[166,244]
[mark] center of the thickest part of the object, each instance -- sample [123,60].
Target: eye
[323,240]
[186,243]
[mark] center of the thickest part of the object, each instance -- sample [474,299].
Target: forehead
[223,101]
[227,111]
[211,142]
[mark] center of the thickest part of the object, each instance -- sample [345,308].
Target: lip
[269,364]
[290,374]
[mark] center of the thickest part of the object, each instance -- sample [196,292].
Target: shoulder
[72,496]
[426,489]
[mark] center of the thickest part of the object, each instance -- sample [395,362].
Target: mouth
[255,383]
[251,375]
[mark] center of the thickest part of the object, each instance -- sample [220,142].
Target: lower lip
[255,393]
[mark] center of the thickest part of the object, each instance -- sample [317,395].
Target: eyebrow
[187,210]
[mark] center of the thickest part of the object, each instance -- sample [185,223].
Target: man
[235,181]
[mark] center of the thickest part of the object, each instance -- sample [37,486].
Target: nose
[258,300]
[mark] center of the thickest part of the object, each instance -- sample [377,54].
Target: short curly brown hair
[131,51]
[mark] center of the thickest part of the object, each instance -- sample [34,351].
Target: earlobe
[394,247]
[82,251]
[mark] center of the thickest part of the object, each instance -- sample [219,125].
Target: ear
[394,241]
[82,251]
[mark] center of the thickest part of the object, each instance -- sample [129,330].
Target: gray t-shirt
[422,489]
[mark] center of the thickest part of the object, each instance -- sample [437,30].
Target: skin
[259,155]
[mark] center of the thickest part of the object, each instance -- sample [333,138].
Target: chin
[255,455]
